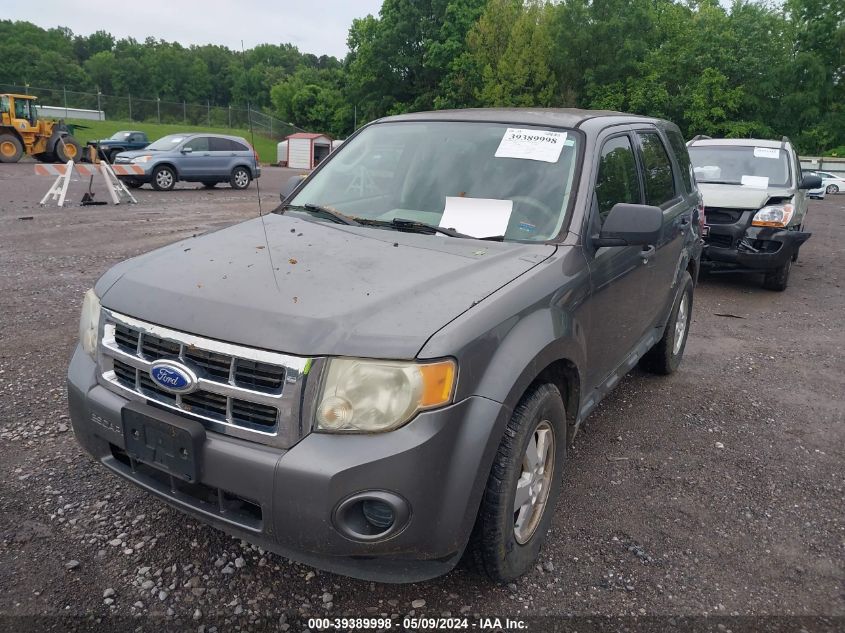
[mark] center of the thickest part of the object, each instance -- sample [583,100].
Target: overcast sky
[313,26]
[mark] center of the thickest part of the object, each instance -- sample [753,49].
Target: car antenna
[257,186]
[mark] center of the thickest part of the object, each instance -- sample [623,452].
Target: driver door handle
[647,252]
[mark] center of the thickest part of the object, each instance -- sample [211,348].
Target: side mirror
[290,186]
[187,150]
[631,225]
[810,182]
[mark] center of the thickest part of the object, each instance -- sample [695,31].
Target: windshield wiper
[323,212]
[413,226]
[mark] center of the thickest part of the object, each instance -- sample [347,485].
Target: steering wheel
[549,216]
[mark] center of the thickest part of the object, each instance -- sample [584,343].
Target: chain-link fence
[129,108]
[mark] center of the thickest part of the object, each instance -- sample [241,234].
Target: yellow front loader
[22,132]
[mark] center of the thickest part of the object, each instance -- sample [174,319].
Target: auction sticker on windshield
[543,145]
[766,152]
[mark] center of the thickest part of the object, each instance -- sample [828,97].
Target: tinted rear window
[682,156]
[657,170]
[226,145]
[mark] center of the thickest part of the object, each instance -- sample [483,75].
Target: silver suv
[205,158]
[755,199]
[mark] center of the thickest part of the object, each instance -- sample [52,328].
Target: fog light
[378,513]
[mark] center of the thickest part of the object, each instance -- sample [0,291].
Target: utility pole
[230,116]
[130,106]
[99,107]
[158,108]
[208,105]
[64,90]
[184,113]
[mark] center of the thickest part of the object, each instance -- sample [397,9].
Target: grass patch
[96,130]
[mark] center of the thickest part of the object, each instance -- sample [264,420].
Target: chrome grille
[245,392]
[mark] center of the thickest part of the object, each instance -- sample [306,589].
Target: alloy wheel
[534,483]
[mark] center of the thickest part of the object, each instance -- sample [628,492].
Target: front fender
[506,342]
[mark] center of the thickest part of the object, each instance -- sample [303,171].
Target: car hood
[739,197]
[134,153]
[311,288]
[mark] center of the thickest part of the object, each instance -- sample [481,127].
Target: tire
[505,543]
[666,355]
[240,178]
[45,157]
[113,154]
[209,185]
[68,148]
[831,189]
[11,148]
[778,279]
[164,178]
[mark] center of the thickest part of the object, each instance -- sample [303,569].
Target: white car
[831,182]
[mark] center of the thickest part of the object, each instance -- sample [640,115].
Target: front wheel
[666,355]
[522,488]
[164,178]
[831,189]
[778,279]
[240,178]
[68,148]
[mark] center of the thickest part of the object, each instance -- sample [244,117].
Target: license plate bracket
[171,444]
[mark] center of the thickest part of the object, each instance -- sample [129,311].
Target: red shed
[306,149]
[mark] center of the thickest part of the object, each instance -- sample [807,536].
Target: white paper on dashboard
[542,145]
[766,152]
[757,182]
[479,217]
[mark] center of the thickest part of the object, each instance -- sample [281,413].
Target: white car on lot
[831,183]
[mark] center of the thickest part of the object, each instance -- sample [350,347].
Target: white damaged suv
[755,199]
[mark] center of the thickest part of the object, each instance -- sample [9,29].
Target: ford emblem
[173,376]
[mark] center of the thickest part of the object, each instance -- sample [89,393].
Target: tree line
[750,69]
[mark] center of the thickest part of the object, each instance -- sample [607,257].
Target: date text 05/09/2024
[418,624]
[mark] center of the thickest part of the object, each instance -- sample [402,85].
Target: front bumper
[742,248]
[286,501]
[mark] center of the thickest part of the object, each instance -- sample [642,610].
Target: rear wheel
[164,178]
[832,189]
[666,355]
[11,148]
[522,488]
[240,178]
[113,154]
[68,148]
[778,279]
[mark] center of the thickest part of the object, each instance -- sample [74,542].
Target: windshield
[166,142]
[741,165]
[480,179]
[119,136]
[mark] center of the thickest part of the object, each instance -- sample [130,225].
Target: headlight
[777,215]
[89,323]
[142,159]
[368,396]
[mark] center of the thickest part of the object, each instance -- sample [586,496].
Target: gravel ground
[717,491]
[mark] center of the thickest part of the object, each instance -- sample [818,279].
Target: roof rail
[700,137]
[783,141]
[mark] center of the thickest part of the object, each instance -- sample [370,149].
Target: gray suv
[386,372]
[206,158]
